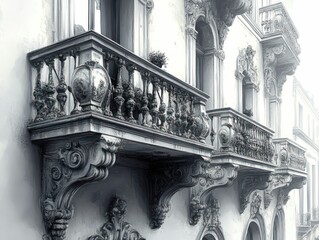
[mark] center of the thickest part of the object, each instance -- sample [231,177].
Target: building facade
[107,144]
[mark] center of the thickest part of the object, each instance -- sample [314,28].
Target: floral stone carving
[115,228]
[209,176]
[255,205]
[68,165]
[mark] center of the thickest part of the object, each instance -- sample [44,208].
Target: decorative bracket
[283,193]
[68,165]
[248,183]
[277,181]
[165,181]
[209,176]
[115,227]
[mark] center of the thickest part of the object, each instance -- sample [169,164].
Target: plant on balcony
[158,58]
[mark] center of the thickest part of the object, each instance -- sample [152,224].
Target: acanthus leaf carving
[68,165]
[209,176]
[115,227]
[165,181]
[248,183]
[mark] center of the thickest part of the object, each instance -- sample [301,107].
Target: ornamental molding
[164,181]
[219,13]
[67,166]
[209,176]
[255,204]
[248,183]
[246,70]
[115,226]
[277,181]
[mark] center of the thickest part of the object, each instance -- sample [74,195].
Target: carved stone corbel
[165,181]
[283,193]
[209,176]
[68,165]
[282,74]
[271,55]
[248,183]
[277,181]
[115,227]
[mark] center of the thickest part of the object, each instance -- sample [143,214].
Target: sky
[305,15]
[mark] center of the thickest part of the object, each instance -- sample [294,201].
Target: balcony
[280,43]
[90,84]
[291,157]
[241,140]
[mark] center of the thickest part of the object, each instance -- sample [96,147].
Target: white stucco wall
[24,26]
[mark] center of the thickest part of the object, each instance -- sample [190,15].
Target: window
[253,232]
[278,226]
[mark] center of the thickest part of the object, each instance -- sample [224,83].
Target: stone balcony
[90,84]
[280,46]
[290,157]
[241,140]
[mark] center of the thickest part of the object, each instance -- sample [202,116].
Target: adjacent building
[108,142]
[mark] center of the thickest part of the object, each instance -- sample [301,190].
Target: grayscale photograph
[159,120]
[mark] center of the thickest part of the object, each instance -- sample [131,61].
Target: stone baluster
[74,53]
[130,104]
[162,109]
[38,93]
[178,121]
[170,110]
[184,115]
[49,91]
[154,104]
[118,91]
[61,88]
[191,118]
[144,108]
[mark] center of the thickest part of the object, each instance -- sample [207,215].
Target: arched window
[253,232]
[209,237]
[278,229]
[255,229]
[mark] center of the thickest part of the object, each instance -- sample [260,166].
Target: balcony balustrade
[239,137]
[91,77]
[290,155]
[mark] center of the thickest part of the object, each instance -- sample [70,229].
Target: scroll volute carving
[67,165]
[248,183]
[208,177]
[165,181]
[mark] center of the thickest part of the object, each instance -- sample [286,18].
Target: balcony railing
[238,134]
[290,154]
[274,20]
[91,73]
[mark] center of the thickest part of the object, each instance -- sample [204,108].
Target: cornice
[301,134]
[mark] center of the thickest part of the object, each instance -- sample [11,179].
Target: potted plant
[158,58]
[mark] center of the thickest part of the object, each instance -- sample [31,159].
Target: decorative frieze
[67,165]
[115,227]
[209,176]
[248,183]
[277,181]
